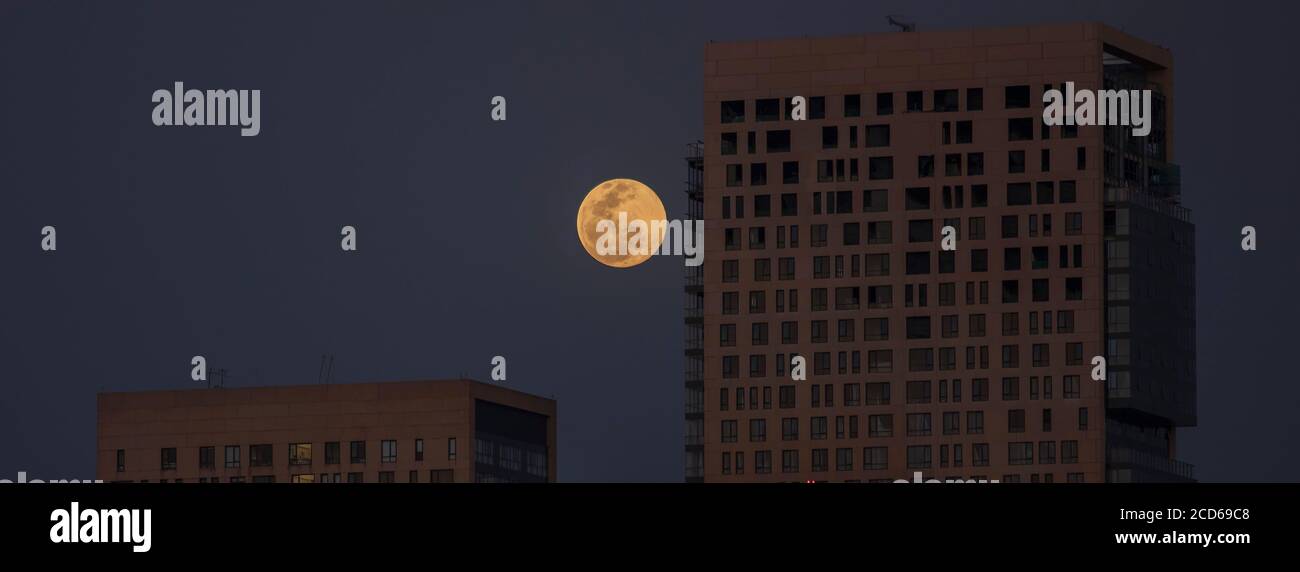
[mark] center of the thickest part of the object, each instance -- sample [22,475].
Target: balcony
[1175,469]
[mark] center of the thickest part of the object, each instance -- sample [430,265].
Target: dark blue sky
[175,242]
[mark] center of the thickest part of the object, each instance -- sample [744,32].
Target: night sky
[182,241]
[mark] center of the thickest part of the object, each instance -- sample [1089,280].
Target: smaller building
[449,431]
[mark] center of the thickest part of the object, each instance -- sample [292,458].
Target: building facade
[824,240]
[419,431]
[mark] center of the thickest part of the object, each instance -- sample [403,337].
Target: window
[757,430]
[878,393]
[332,453]
[852,105]
[945,100]
[975,422]
[1069,452]
[918,457]
[441,476]
[1020,129]
[734,175]
[121,460]
[975,99]
[878,135]
[207,458]
[355,478]
[300,453]
[879,168]
[762,462]
[817,107]
[817,427]
[357,452]
[730,142]
[790,172]
[1018,194]
[880,425]
[1010,386]
[778,141]
[830,137]
[767,109]
[915,101]
[918,392]
[875,458]
[1071,386]
[259,456]
[232,456]
[388,451]
[875,200]
[925,166]
[169,458]
[733,111]
[1016,421]
[918,425]
[884,103]
[1020,453]
[1017,96]
[385,476]
[1074,288]
[918,198]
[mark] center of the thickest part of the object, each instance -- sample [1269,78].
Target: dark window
[733,111]
[945,100]
[790,172]
[884,103]
[357,452]
[1017,96]
[729,144]
[965,132]
[918,198]
[879,168]
[975,99]
[925,166]
[878,135]
[778,141]
[918,262]
[1015,161]
[1018,194]
[915,101]
[169,458]
[817,107]
[767,109]
[1020,129]
[259,455]
[852,105]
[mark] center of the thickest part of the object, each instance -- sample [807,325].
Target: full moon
[605,202]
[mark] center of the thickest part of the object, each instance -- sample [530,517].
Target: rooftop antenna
[326,374]
[901,25]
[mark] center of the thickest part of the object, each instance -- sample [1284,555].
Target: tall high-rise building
[452,431]
[825,240]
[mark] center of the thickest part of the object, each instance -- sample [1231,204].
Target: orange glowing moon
[605,202]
